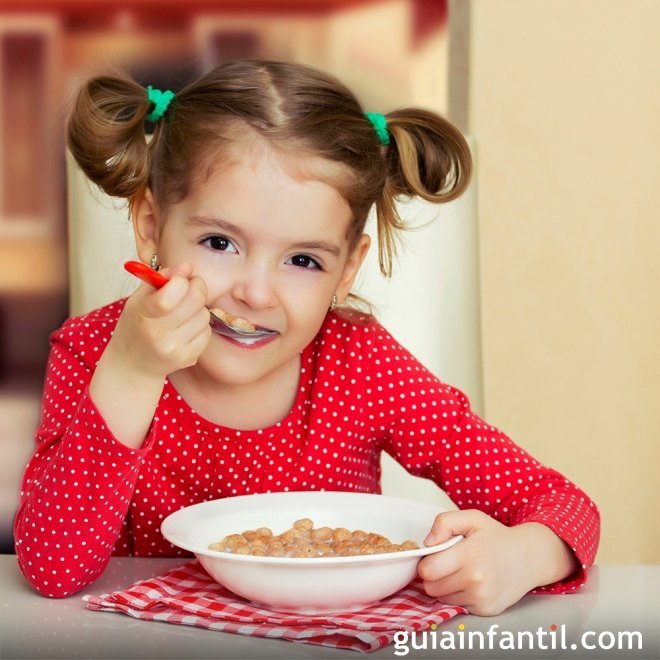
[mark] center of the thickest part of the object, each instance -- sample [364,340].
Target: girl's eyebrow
[325,246]
[203,221]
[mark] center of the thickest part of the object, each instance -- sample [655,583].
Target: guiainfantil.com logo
[551,638]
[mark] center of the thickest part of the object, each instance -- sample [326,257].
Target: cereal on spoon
[236,322]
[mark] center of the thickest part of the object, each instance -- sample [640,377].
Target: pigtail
[105,134]
[427,157]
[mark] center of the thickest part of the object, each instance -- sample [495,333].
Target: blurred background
[562,100]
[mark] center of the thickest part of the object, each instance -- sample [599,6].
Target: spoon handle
[146,274]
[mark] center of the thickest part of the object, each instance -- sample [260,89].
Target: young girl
[252,196]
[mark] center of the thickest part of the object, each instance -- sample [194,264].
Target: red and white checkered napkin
[189,596]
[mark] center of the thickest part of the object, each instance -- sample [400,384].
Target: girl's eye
[220,243]
[304,261]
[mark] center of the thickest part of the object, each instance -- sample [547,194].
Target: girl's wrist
[126,398]
[123,360]
[547,556]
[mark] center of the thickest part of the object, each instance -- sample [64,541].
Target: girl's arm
[433,433]
[79,482]
[126,397]
[159,332]
[102,389]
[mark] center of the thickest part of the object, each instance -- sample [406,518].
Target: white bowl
[309,585]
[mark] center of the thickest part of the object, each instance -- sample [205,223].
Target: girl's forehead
[251,151]
[262,174]
[270,190]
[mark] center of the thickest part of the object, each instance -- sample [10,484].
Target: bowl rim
[379,557]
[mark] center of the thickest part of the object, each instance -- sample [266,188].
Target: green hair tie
[161,101]
[379,122]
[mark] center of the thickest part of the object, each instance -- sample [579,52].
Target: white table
[617,598]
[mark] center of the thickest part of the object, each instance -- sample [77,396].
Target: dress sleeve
[79,482]
[430,429]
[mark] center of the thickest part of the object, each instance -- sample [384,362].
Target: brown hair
[297,109]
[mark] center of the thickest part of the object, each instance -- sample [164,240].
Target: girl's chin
[226,362]
[227,373]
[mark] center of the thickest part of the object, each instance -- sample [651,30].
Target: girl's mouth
[251,342]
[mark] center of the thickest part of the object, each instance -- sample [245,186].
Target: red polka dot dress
[85,496]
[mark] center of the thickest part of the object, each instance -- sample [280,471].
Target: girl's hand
[163,330]
[494,566]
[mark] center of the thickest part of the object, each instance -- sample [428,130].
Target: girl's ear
[146,226]
[351,268]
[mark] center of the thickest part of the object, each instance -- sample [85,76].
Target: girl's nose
[254,287]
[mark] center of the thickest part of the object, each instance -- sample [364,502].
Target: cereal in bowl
[304,540]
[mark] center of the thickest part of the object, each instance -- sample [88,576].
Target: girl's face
[272,248]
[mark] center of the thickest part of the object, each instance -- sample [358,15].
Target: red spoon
[157,280]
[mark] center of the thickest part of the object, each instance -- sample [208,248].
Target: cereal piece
[264,532]
[240,323]
[304,525]
[341,534]
[258,551]
[343,548]
[324,550]
[235,322]
[290,535]
[222,315]
[301,543]
[234,541]
[358,536]
[220,546]
[275,550]
[392,547]
[409,545]
[322,534]
[376,539]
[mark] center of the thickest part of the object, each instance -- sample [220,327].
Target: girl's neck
[243,407]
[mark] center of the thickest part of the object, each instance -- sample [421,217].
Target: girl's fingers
[194,345]
[194,325]
[185,269]
[193,304]
[182,346]
[155,303]
[201,340]
[457,599]
[451,584]
[159,302]
[179,299]
[447,596]
[454,523]
[441,564]
[452,589]
[187,322]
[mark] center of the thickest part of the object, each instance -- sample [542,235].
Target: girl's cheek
[310,281]
[218,275]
